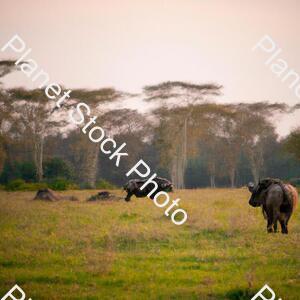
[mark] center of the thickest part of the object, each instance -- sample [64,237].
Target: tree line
[188,137]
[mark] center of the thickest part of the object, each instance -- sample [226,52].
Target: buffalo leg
[270,221]
[284,224]
[276,216]
[284,219]
[269,226]
[273,216]
[284,229]
[128,196]
[275,226]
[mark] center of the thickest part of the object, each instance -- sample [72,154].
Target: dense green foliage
[59,184]
[292,143]
[105,185]
[57,167]
[21,185]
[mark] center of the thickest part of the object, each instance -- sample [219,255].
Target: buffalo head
[260,191]
[167,187]
[257,194]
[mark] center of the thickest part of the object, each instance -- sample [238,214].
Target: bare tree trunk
[177,172]
[2,153]
[255,173]
[174,172]
[212,181]
[256,162]
[180,173]
[184,152]
[212,175]
[90,165]
[38,156]
[232,177]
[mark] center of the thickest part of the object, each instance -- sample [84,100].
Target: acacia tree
[30,118]
[124,125]
[179,98]
[6,67]
[2,153]
[254,128]
[292,143]
[227,130]
[171,143]
[32,115]
[231,143]
[133,128]
[86,152]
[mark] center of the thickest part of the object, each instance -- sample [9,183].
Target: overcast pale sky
[131,43]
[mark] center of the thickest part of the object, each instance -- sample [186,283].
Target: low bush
[85,186]
[15,185]
[57,168]
[105,185]
[34,186]
[16,171]
[59,184]
[73,186]
[21,185]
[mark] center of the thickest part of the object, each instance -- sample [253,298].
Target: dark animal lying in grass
[105,195]
[278,201]
[132,187]
[50,195]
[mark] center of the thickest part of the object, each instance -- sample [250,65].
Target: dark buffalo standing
[132,187]
[278,201]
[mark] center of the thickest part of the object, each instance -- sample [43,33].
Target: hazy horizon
[129,44]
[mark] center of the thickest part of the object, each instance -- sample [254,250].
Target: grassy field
[119,250]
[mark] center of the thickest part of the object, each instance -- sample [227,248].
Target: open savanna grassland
[119,250]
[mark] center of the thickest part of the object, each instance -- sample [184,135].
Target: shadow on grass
[45,280]
[12,264]
[129,217]
[131,244]
[240,294]
[214,234]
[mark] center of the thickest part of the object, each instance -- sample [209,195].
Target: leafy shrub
[18,170]
[15,185]
[57,168]
[59,184]
[240,294]
[105,185]
[34,186]
[27,170]
[21,185]
[73,186]
[9,173]
[2,187]
[85,186]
